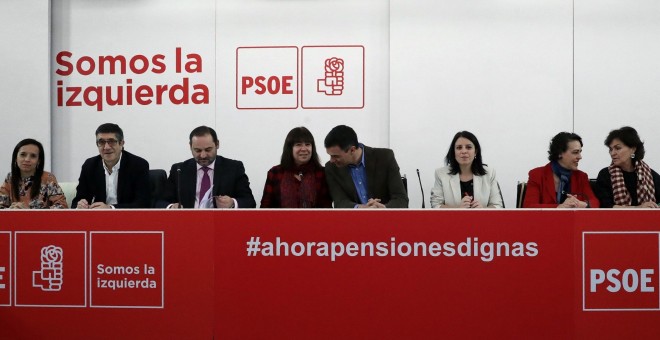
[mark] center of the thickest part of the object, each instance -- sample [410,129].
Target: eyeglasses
[110,142]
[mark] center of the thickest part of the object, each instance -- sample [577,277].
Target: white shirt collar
[115,167]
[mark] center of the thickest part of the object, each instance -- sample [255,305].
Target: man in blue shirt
[360,176]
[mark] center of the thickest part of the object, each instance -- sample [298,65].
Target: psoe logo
[50,277]
[620,271]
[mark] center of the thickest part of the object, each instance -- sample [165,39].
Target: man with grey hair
[115,178]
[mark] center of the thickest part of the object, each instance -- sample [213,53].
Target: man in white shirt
[115,178]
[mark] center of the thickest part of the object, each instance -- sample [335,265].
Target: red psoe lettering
[286,85]
[247,82]
[272,85]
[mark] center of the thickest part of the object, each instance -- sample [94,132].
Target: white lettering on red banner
[43,276]
[126,269]
[471,247]
[132,280]
[620,271]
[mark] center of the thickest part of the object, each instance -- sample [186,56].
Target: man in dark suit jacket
[230,185]
[115,178]
[360,176]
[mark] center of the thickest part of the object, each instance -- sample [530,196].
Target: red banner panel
[126,269]
[43,277]
[621,271]
[624,241]
[404,274]
[144,274]
[252,274]
[5,268]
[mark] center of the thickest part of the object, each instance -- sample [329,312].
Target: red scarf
[645,188]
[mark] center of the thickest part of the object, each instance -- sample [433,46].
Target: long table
[243,274]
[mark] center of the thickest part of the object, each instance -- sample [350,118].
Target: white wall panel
[506,70]
[24,74]
[500,69]
[617,78]
[159,133]
[256,136]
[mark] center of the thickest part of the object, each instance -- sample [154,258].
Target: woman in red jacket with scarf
[559,184]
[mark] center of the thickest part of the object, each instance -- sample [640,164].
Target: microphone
[421,188]
[178,186]
[303,193]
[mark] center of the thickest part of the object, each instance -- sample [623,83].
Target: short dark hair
[342,136]
[203,131]
[298,135]
[559,144]
[477,165]
[628,136]
[16,171]
[110,128]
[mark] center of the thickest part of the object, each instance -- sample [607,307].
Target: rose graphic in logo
[334,65]
[333,82]
[51,254]
[51,276]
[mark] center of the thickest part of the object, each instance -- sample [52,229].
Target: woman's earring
[632,156]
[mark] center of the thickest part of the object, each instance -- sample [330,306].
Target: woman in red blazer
[559,184]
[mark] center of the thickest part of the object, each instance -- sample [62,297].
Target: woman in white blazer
[465,182]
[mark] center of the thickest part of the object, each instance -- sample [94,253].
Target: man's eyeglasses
[110,142]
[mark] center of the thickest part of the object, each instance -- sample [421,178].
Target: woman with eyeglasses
[628,181]
[559,184]
[299,180]
[465,182]
[28,186]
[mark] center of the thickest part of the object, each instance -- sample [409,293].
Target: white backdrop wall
[513,72]
[499,69]
[158,133]
[617,78]
[24,74]
[256,136]
[215,30]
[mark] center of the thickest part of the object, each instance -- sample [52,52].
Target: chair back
[594,185]
[69,189]
[157,183]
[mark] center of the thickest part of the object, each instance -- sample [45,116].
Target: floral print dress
[50,195]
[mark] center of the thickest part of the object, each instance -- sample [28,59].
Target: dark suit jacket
[229,179]
[132,183]
[383,181]
[541,191]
